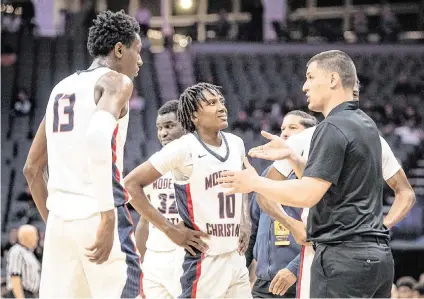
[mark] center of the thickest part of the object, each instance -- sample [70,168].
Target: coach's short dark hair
[190,101]
[108,29]
[168,107]
[339,62]
[307,121]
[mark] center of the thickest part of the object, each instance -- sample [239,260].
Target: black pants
[352,269]
[261,290]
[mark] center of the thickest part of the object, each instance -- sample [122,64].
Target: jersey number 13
[63,119]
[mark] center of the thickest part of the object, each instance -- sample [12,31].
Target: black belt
[355,238]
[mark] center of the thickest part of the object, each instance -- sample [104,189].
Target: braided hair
[189,102]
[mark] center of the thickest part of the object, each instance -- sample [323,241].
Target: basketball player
[162,260]
[293,157]
[196,161]
[89,248]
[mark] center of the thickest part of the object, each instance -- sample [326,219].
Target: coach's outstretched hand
[188,238]
[276,149]
[238,181]
[99,252]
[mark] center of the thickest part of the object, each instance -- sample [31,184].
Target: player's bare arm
[296,227]
[113,90]
[35,168]
[112,93]
[252,273]
[404,198]
[298,163]
[245,221]
[245,226]
[142,176]
[302,193]
[141,236]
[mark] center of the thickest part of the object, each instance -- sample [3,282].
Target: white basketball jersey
[69,111]
[306,258]
[162,196]
[202,203]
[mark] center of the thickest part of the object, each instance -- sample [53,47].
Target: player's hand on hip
[275,149]
[238,181]
[188,238]
[282,282]
[243,241]
[99,252]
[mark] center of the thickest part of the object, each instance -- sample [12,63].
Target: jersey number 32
[167,205]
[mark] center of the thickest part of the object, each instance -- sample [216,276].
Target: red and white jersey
[300,143]
[162,196]
[306,258]
[201,201]
[69,110]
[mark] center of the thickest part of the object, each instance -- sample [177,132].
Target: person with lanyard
[342,184]
[290,156]
[271,243]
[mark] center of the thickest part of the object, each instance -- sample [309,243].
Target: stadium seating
[247,74]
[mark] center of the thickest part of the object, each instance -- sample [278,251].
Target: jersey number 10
[59,122]
[226,205]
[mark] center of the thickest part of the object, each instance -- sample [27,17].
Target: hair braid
[189,103]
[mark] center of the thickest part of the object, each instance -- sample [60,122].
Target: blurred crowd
[400,119]
[72,23]
[396,115]
[409,287]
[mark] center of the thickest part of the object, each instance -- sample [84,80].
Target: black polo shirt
[346,151]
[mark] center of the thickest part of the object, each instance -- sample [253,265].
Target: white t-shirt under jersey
[301,143]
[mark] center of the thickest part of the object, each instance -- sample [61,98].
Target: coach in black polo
[342,185]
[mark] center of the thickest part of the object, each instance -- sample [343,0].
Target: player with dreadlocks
[215,268]
[88,249]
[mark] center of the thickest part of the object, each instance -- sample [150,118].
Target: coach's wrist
[255,182]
